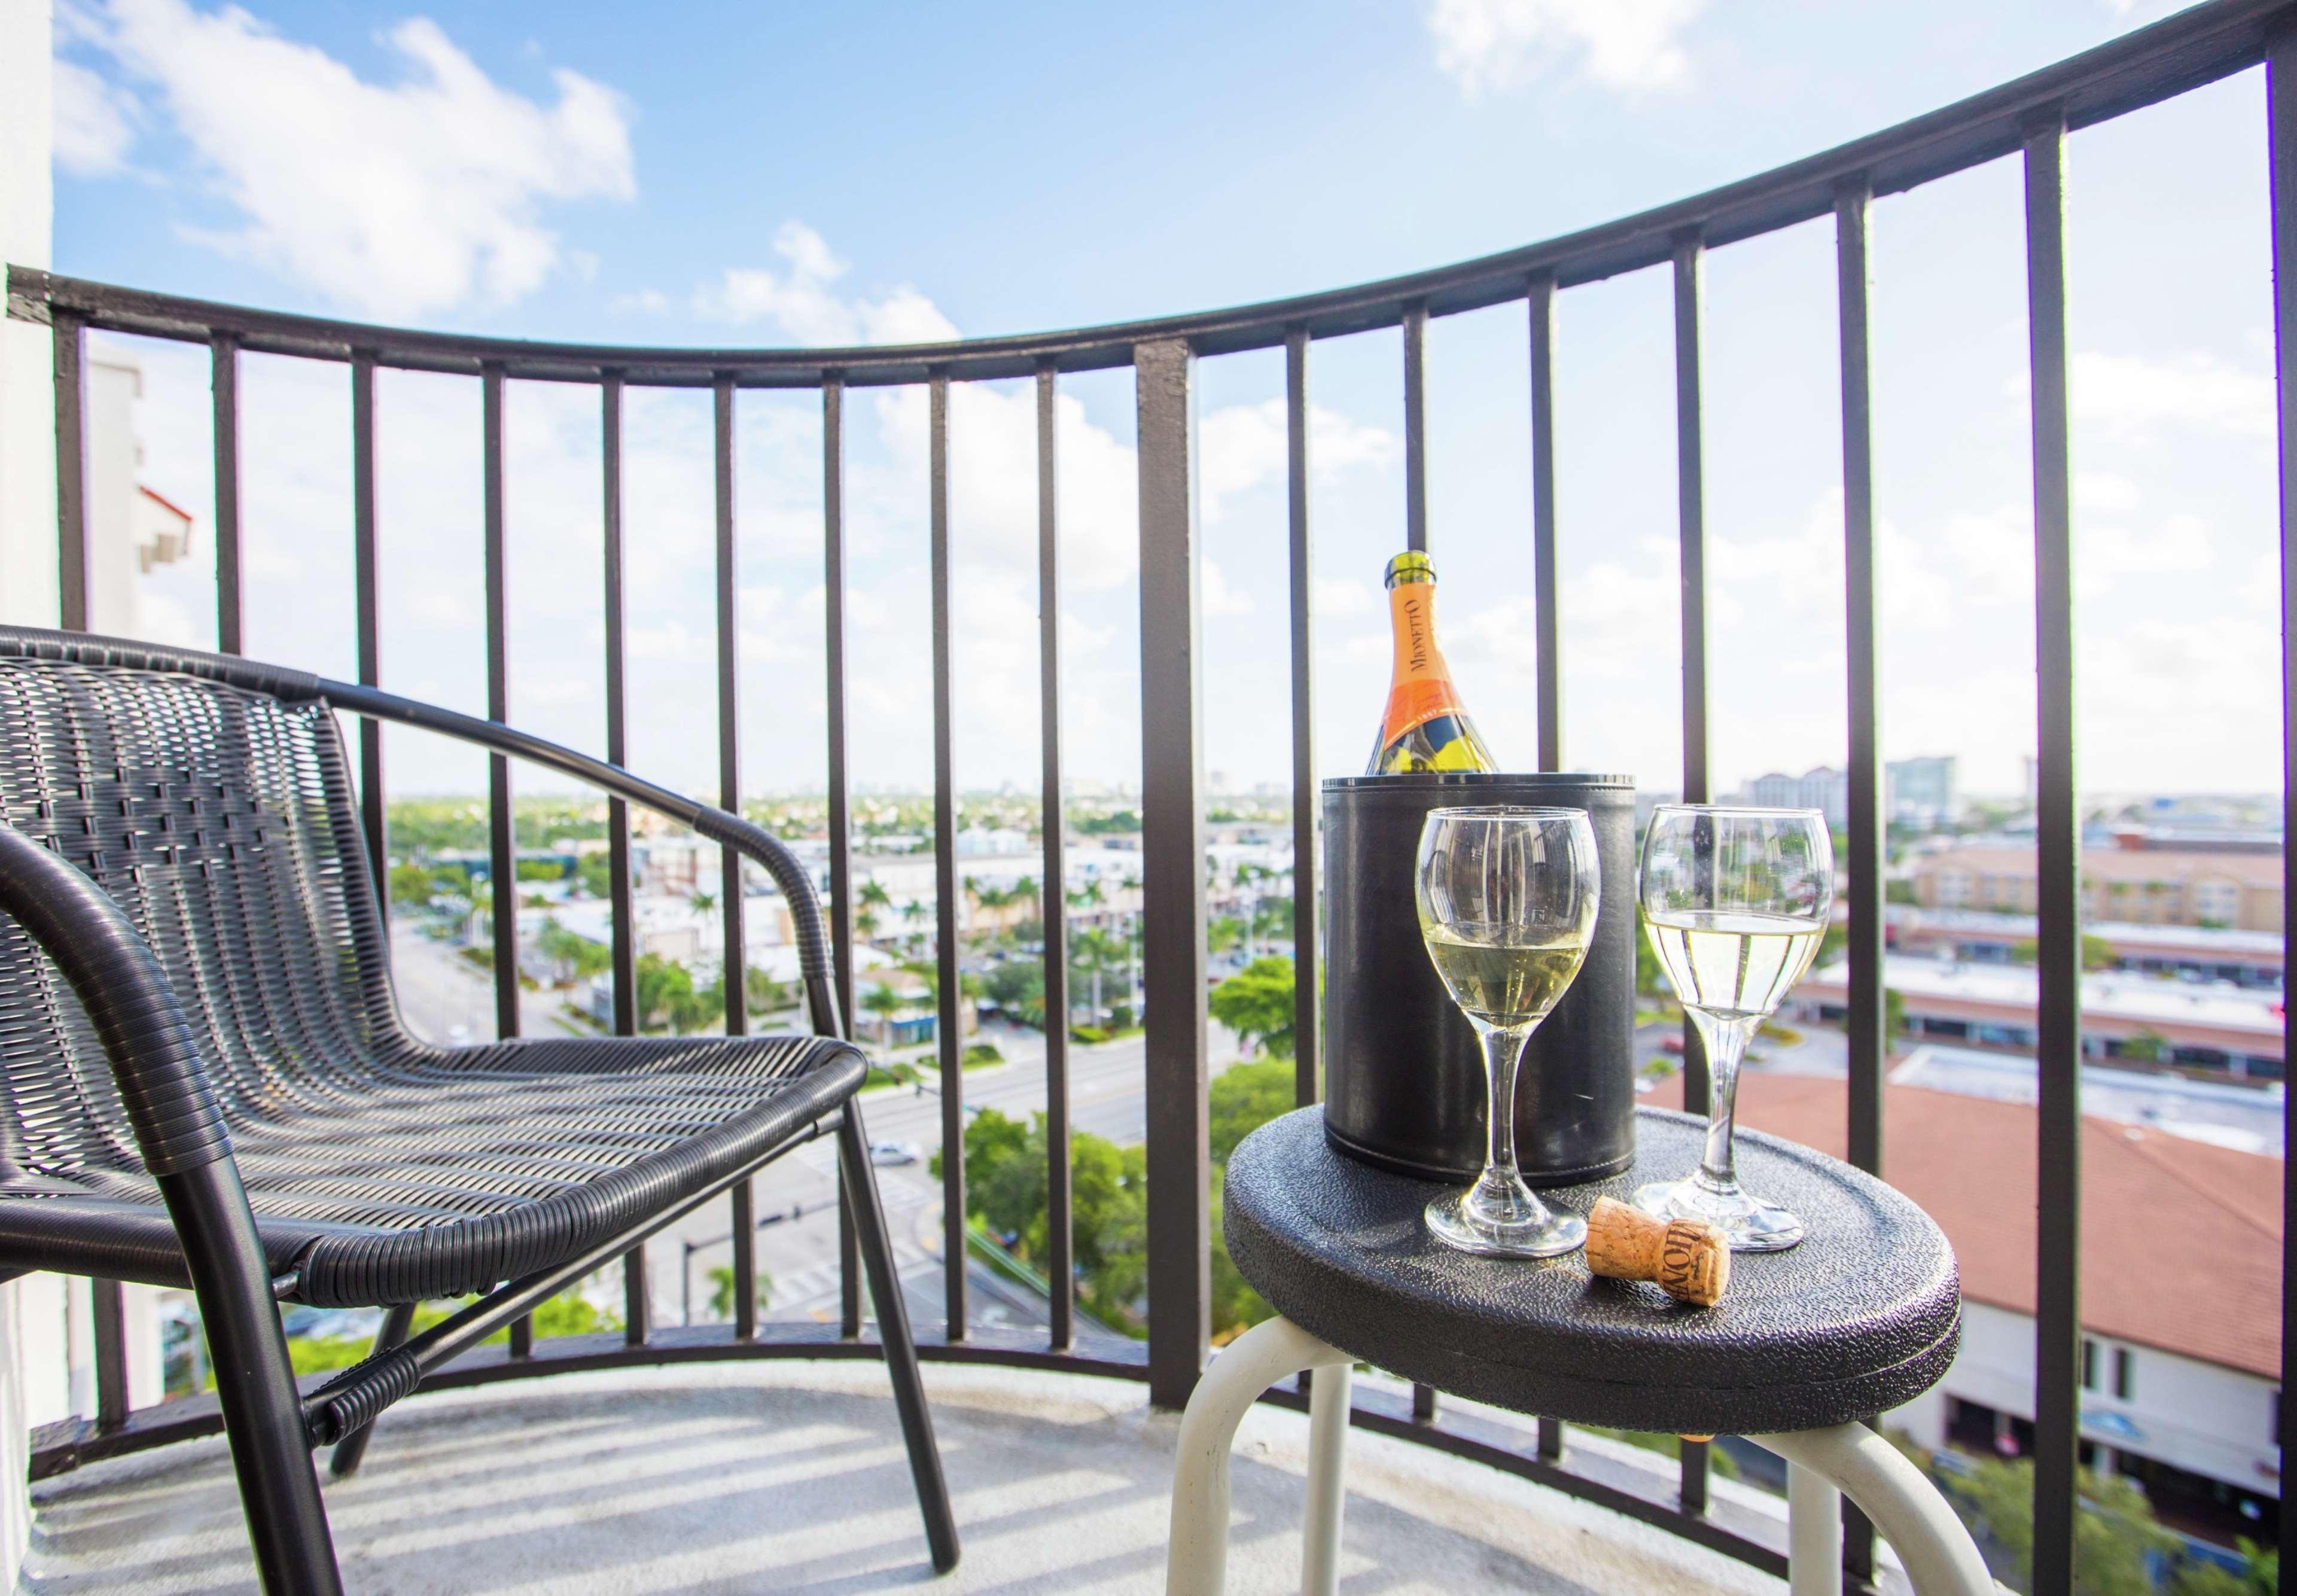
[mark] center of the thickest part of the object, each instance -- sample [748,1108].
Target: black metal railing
[2029,119]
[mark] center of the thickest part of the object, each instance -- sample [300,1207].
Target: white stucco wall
[2213,1421]
[27,547]
[28,439]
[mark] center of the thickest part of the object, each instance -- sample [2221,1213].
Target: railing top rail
[2150,64]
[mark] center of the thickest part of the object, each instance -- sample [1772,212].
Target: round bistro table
[1862,1316]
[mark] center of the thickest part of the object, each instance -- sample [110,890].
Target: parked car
[894,1152]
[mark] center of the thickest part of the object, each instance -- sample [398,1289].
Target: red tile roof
[2181,1241]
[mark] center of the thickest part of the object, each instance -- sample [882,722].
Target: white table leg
[1814,1535]
[1327,1479]
[1938,1554]
[1198,1562]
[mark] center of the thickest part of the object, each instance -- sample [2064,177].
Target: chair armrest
[155,1055]
[751,841]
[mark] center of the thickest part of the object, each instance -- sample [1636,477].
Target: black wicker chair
[207,1082]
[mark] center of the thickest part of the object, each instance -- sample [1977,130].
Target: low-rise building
[2181,1289]
[2232,881]
[2190,953]
[2143,1018]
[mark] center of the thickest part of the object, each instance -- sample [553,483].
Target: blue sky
[826,174]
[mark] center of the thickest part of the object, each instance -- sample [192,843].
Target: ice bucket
[1404,1074]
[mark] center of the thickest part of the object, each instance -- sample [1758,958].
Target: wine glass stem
[1725,1041]
[1502,1048]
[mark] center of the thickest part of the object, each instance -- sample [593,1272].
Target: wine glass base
[1513,1231]
[1747,1222]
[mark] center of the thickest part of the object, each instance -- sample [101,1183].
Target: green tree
[1018,986]
[412,886]
[578,956]
[539,869]
[721,1291]
[2260,1577]
[2096,952]
[665,990]
[1257,1003]
[2147,1047]
[596,872]
[2112,1534]
[1246,1097]
[1005,1191]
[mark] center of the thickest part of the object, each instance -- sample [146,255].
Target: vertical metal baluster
[110,1322]
[502,856]
[1173,873]
[945,1020]
[70,335]
[1869,1046]
[502,853]
[367,585]
[638,1303]
[223,366]
[618,812]
[1691,501]
[841,808]
[1545,587]
[2057,1344]
[729,701]
[1307,1005]
[1415,427]
[2281,142]
[1415,526]
[744,1200]
[1052,900]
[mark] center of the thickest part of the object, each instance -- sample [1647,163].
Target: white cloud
[1219,598]
[798,300]
[1338,596]
[1243,446]
[1631,46]
[2135,398]
[400,198]
[94,123]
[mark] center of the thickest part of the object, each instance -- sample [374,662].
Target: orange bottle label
[1420,688]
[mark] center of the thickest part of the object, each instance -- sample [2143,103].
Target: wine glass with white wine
[1507,904]
[1735,902]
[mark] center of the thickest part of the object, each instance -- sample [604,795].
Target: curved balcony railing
[2028,117]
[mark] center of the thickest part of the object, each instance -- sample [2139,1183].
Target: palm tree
[884,1002]
[702,903]
[874,895]
[1094,952]
[865,924]
[914,911]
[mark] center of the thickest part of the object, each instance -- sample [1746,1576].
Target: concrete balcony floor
[792,1476]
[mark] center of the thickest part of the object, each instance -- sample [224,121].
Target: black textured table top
[1861,1317]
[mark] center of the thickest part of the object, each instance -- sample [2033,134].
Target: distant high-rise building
[1922,791]
[1824,789]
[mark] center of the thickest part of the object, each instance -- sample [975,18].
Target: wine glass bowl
[1735,902]
[1507,899]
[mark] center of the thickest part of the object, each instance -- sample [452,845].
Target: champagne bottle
[1426,727]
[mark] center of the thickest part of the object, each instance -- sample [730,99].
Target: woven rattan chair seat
[481,1167]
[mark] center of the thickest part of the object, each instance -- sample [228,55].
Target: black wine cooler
[1404,1074]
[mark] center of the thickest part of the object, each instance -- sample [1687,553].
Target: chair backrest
[220,814]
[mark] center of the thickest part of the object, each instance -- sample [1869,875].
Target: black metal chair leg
[255,1384]
[344,1461]
[893,1333]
